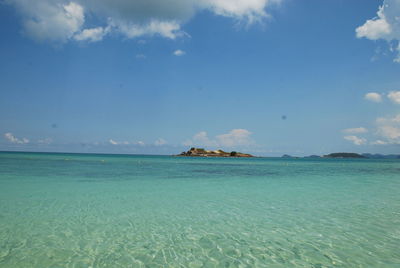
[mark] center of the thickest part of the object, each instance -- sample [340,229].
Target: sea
[98,210]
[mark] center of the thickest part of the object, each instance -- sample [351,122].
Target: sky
[268,77]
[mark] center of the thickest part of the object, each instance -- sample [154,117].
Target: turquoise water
[71,210]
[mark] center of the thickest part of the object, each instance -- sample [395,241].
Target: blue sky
[263,76]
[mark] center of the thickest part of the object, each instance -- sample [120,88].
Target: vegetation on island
[217,153]
[344,155]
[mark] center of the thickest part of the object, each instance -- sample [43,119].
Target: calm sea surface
[74,210]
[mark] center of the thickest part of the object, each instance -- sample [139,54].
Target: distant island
[217,153]
[382,156]
[344,155]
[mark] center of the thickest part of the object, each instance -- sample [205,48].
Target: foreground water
[64,210]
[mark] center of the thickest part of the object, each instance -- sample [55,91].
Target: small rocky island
[217,153]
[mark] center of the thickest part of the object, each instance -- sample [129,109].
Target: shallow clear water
[65,210]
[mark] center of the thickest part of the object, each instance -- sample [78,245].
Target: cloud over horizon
[133,143]
[13,139]
[355,140]
[234,138]
[389,129]
[61,21]
[385,132]
[160,142]
[356,130]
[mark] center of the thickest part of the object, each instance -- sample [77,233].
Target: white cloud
[168,29]
[141,143]
[389,120]
[250,10]
[234,138]
[390,132]
[63,20]
[113,142]
[92,35]
[11,138]
[389,128]
[356,130]
[50,20]
[45,141]
[379,142]
[179,52]
[394,95]
[356,140]
[397,58]
[160,142]
[385,26]
[376,28]
[387,131]
[200,139]
[373,96]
